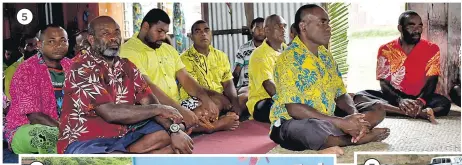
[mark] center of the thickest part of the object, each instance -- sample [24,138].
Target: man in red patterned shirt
[109,108]
[408,70]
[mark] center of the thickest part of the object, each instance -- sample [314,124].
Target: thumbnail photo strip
[198,78]
[408,158]
[180,160]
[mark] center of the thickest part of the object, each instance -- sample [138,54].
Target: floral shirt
[31,91]
[408,72]
[90,83]
[304,78]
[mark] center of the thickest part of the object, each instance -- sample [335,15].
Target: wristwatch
[174,128]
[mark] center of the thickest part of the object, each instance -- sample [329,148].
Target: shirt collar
[265,45]
[196,53]
[298,44]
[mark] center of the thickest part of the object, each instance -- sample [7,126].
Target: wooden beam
[205,11]
[226,32]
[453,58]
[438,34]
[248,7]
[249,16]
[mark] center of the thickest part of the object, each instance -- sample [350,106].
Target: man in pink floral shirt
[36,96]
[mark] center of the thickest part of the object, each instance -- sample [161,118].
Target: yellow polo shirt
[261,68]
[160,65]
[209,71]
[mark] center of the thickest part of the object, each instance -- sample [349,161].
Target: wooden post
[205,12]
[442,27]
[453,59]
[248,7]
[438,34]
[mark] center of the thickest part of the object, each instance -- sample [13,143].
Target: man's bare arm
[43,119]
[166,100]
[302,111]
[270,87]
[346,103]
[230,92]
[429,88]
[190,85]
[391,92]
[236,74]
[131,114]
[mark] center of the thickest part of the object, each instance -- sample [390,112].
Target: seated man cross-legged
[310,90]
[211,69]
[108,106]
[408,69]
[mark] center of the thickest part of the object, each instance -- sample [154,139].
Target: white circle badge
[24,16]
[372,162]
[36,163]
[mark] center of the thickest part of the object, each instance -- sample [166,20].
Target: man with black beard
[28,47]
[108,106]
[408,70]
[162,68]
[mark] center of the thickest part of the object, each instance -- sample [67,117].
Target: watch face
[174,128]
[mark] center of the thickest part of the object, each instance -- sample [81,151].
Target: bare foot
[430,115]
[375,135]
[332,150]
[228,122]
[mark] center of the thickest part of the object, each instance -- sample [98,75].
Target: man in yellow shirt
[310,94]
[293,33]
[261,67]
[161,66]
[211,69]
[28,47]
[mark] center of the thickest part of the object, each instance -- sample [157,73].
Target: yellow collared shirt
[160,65]
[209,71]
[261,68]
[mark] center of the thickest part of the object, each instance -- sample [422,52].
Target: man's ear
[91,39]
[40,44]
[400,28]
[145,26]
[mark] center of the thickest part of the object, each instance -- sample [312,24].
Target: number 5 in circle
[24,16]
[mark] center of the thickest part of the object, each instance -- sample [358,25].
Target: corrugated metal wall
[285,10]
[220,19]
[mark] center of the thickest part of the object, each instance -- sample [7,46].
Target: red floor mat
[250,138]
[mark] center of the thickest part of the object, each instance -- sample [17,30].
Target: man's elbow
[104,111]
[292,111]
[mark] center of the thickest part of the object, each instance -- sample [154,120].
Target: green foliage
[338,13]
